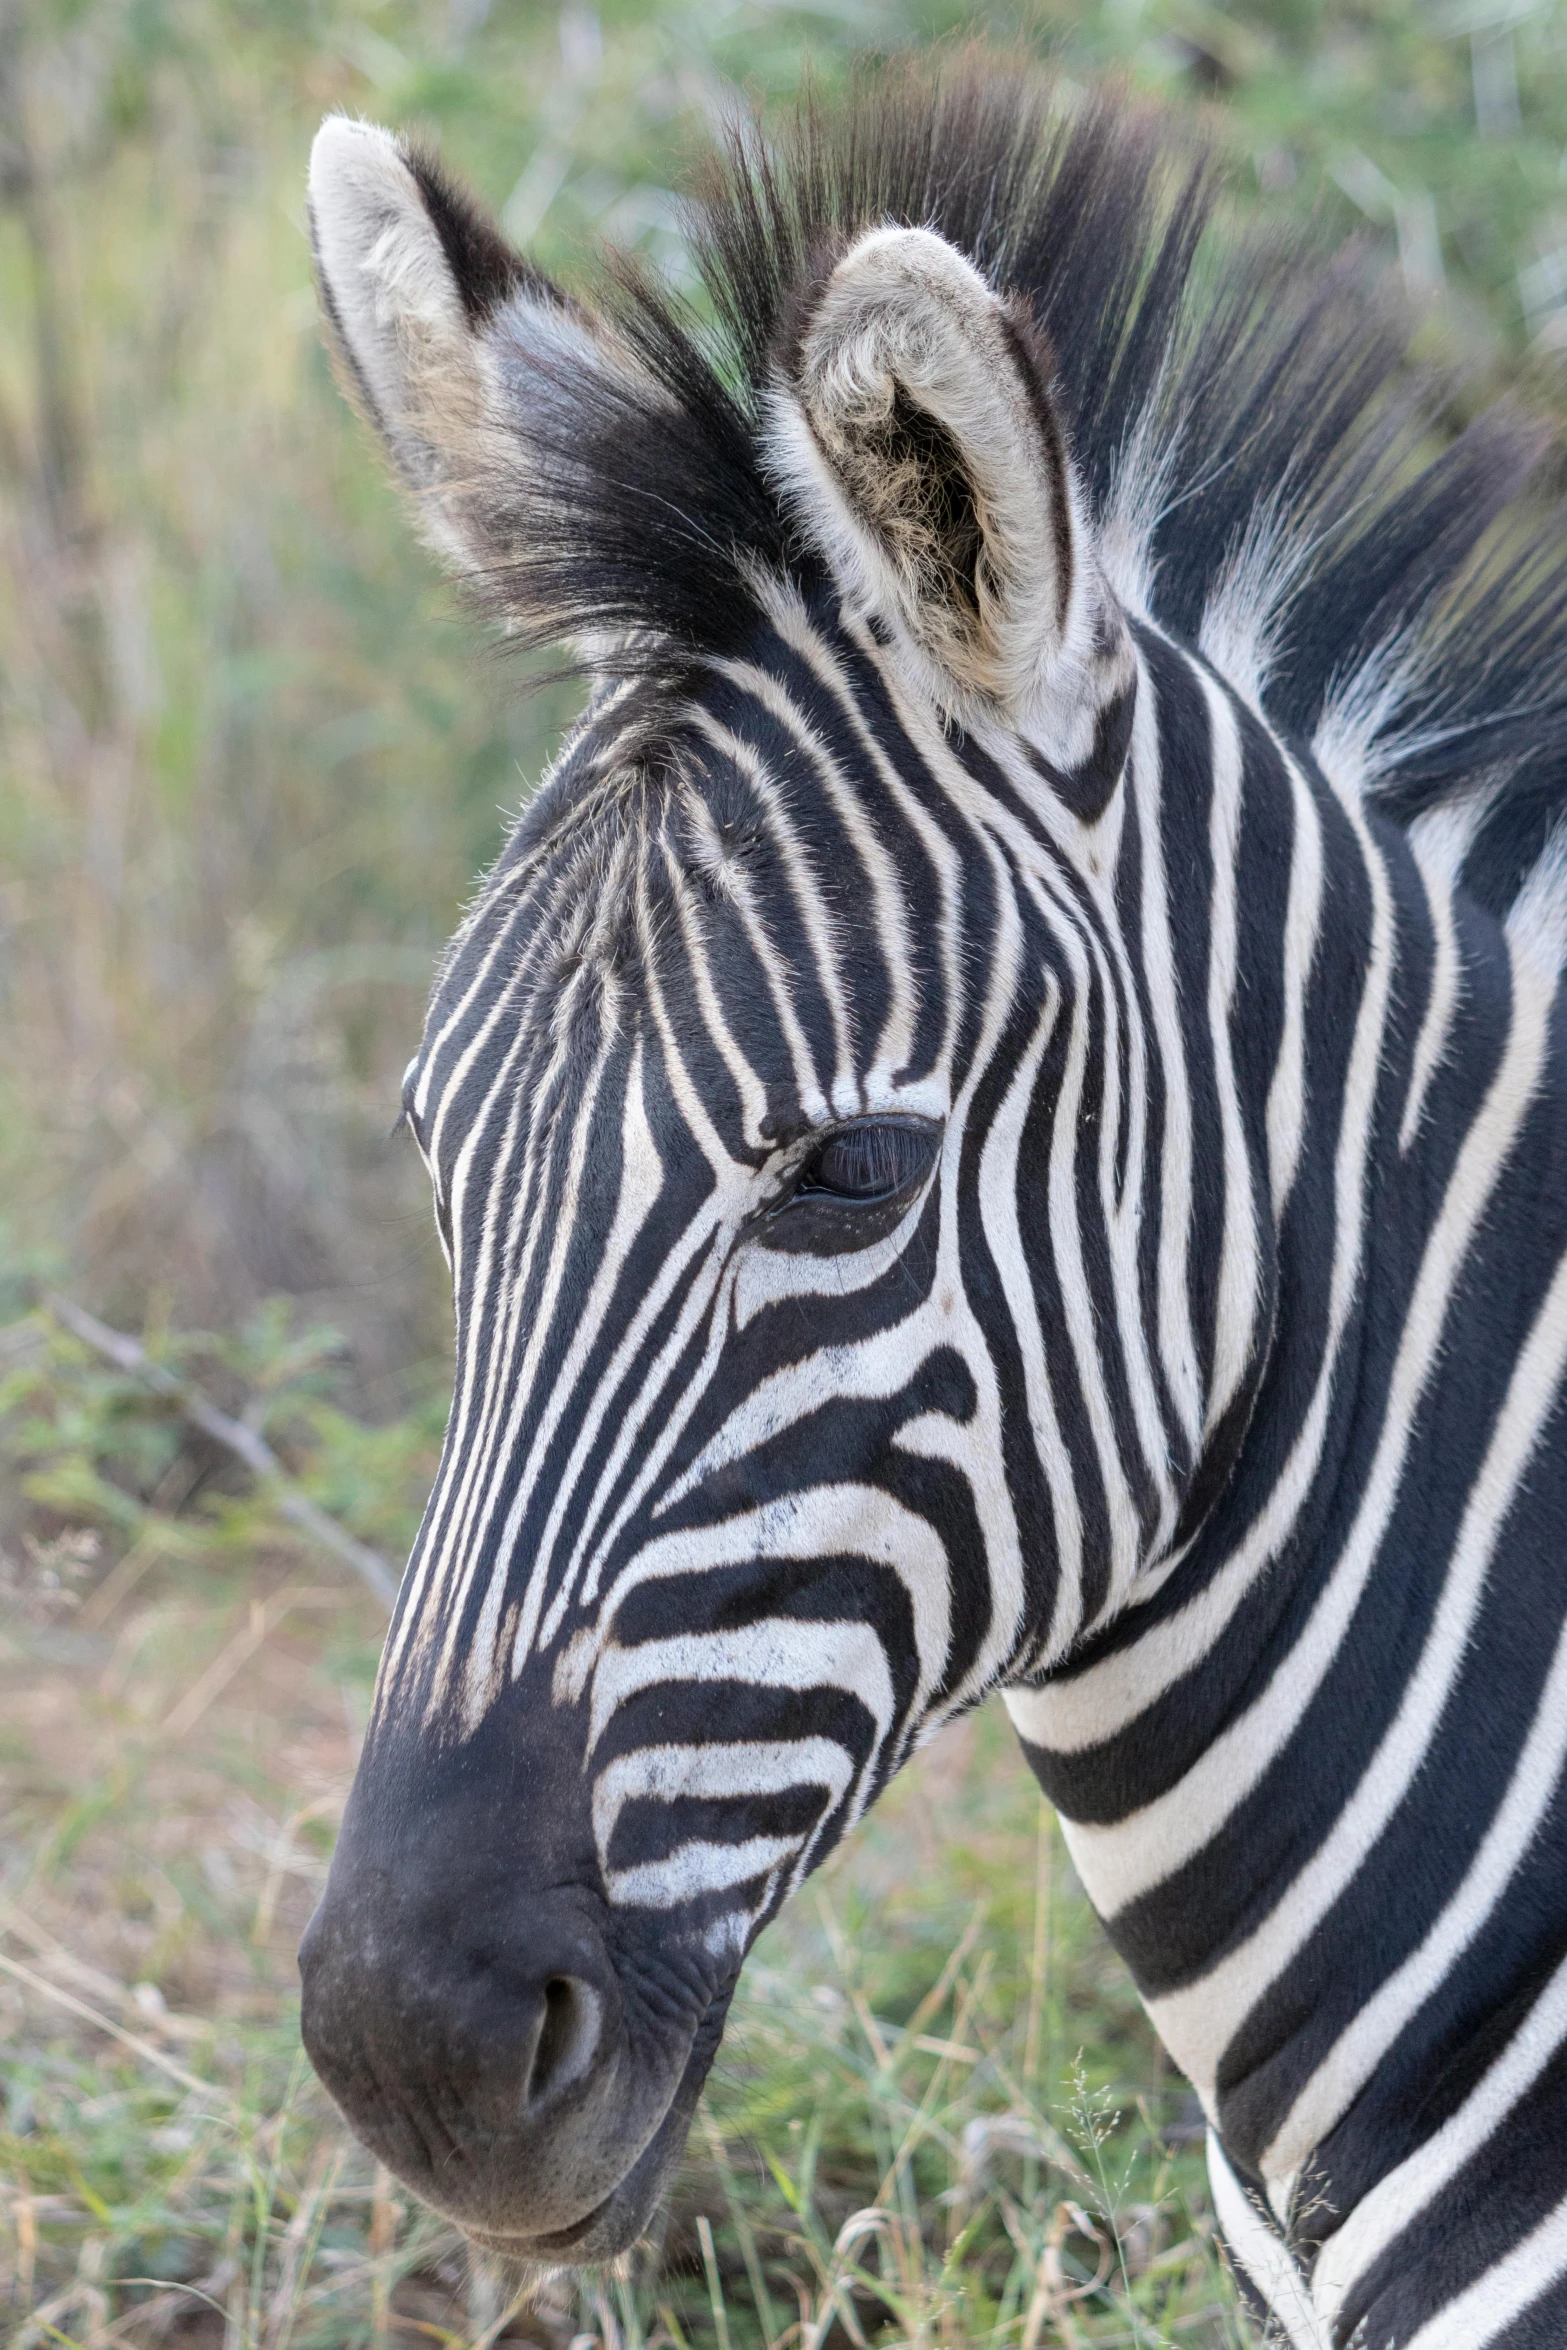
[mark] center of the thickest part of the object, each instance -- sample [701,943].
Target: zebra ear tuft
[914,433]
[394,306]
[421,293]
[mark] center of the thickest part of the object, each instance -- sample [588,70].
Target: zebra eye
[866,1163]
[854,1188]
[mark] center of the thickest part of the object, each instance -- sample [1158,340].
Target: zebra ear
[913,428]
[422,296]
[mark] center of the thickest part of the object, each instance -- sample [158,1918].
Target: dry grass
[938,2116]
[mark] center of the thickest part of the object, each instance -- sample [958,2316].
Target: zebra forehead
[690,844]
[684,812]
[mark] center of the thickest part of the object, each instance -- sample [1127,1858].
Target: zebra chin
[452,2102]
[614,2225]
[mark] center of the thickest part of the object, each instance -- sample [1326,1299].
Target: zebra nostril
[567,2042]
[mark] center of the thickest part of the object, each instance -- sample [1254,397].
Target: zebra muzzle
[510,2050]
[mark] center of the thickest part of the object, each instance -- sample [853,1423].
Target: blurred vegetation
[251,756]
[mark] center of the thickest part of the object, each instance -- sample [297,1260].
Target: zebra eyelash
[892,1154]
[804,1219]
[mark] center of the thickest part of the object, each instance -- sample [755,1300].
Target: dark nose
[507,2026]
[476,2055]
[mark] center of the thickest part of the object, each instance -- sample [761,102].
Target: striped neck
[1292,1715]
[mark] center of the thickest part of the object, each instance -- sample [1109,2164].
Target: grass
[938,2115]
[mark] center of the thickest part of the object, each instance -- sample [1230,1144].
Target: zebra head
[786,1098]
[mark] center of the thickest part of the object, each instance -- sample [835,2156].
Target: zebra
[999,1124]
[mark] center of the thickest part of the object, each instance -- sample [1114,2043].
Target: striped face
[791,1108]
[737,1096]
[787,1102]
[784,1085]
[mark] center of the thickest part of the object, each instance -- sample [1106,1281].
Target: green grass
[938,2115]
[922,2127]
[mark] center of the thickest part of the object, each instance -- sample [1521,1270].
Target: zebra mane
[1272,478]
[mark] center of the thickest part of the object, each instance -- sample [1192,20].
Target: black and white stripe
[1014,1136]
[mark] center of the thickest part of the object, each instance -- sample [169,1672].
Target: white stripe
[747,1084]
[1263,2256]
[641,1181]
[501,1265]
[511,1231]
[1123,1862]
[1093,968]
[990,825]
[999,1207]
[840,1095]
[547,929]
[650,1416]
[867,1370]
[694,1869]
[1095,1705]
[1397,2200]
[1064,1226]
[766,1276]
[710,1292]
[790,621]
[1531,1402]
[1286,1115]
[1177,1340]
[638,1192]
[1236,1305]
[779,1652]
[501,952]
[895,1044]
[1498,2298]
[822,1521]
[1439,842]
[758,1766]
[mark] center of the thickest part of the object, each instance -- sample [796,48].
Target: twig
[300,2238]
[263,1620]
[715,2289]
[1039,1958]
[287,1498]
[384,2216]
[131,2040]
[737,2212]
[943,1984]
[122,1578]
[90,1980]
[280,1861]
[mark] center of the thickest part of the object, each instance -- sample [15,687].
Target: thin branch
[287,1498]
[132,2040]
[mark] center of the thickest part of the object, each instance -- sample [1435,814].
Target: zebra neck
[1336,1869]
